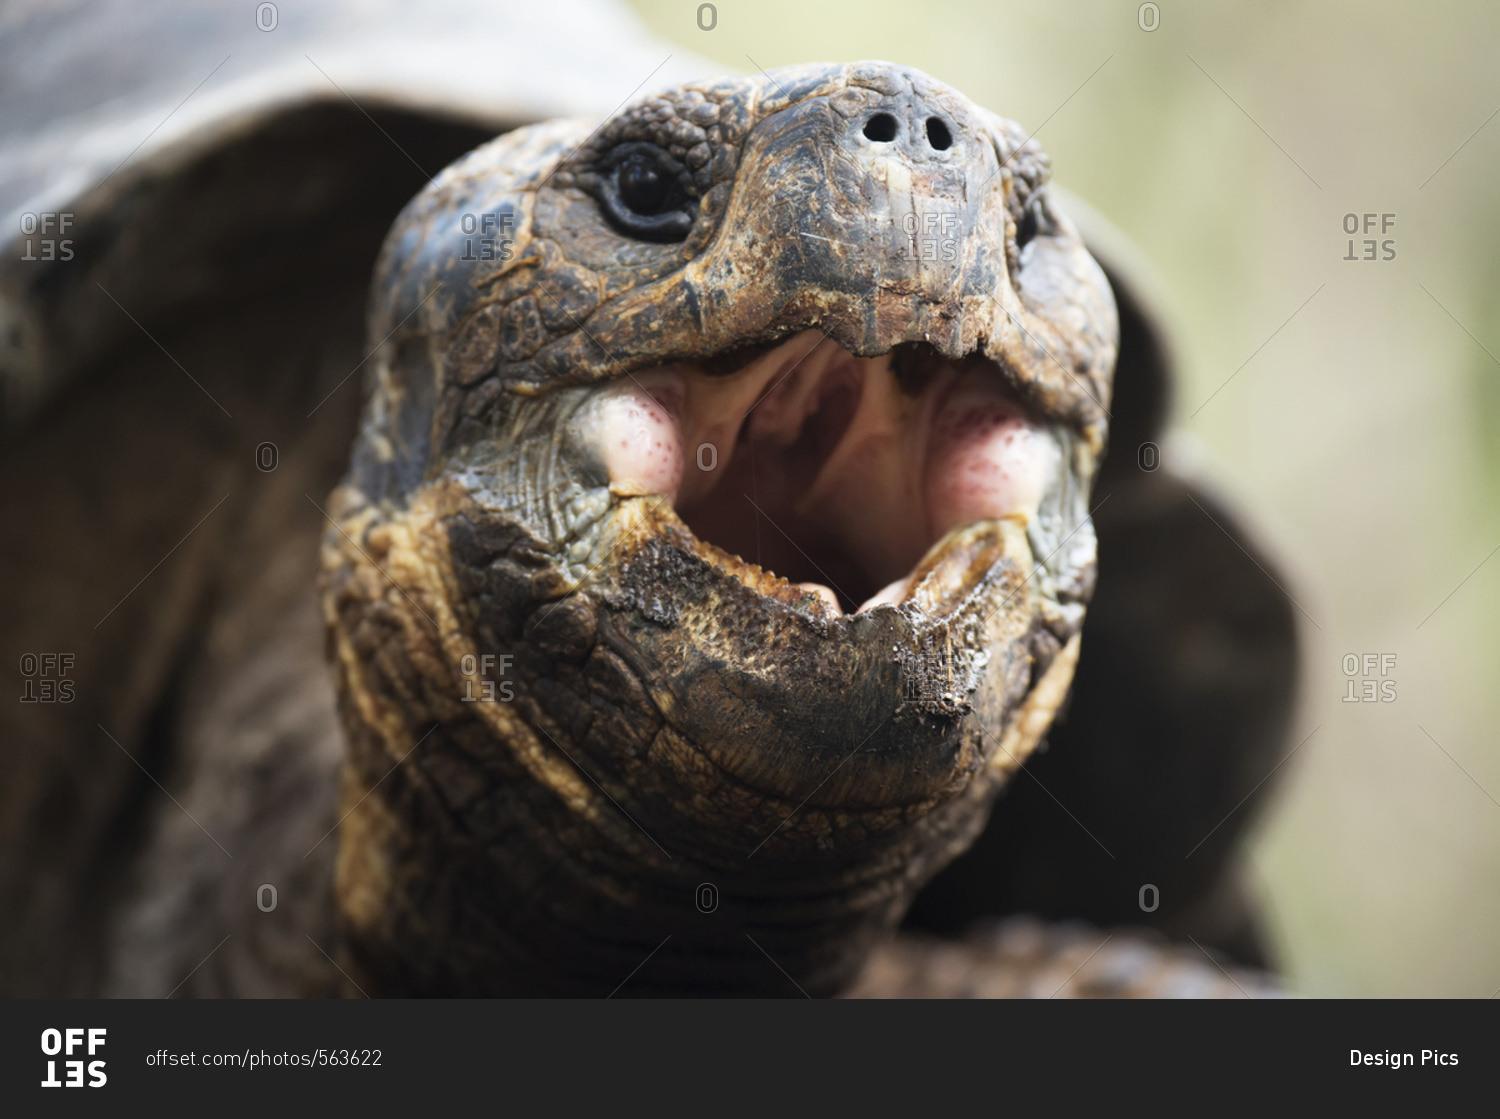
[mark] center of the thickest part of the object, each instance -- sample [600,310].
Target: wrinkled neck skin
[700,580]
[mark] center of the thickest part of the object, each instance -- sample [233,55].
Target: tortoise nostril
[938,135]
[881,128]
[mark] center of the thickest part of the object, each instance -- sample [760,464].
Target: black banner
[88,1057]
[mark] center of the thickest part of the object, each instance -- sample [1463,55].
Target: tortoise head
[716,541]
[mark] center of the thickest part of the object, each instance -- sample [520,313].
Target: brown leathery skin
[671,715]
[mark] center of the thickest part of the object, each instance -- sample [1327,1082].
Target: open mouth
[845,476]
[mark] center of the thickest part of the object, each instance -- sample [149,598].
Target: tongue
[985,459]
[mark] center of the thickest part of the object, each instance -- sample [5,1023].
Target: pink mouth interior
[820,466]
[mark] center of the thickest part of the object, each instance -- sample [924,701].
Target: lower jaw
[559,919]
[571,912]
[942,581]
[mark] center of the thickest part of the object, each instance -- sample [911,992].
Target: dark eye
[1026,228]
[642,196]
[642,185]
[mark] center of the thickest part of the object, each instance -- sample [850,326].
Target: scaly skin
[672,715]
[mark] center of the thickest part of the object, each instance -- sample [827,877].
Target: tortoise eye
[642,194]
[1026,228]
[642,185]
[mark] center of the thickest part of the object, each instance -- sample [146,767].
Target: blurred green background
[1361,439]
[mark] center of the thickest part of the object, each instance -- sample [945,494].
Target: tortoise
[710,550]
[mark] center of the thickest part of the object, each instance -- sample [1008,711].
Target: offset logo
[476,671]
[66,1043]
[45,679]
[53,242]
[497,239]
[1355,224]
[1352,667]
